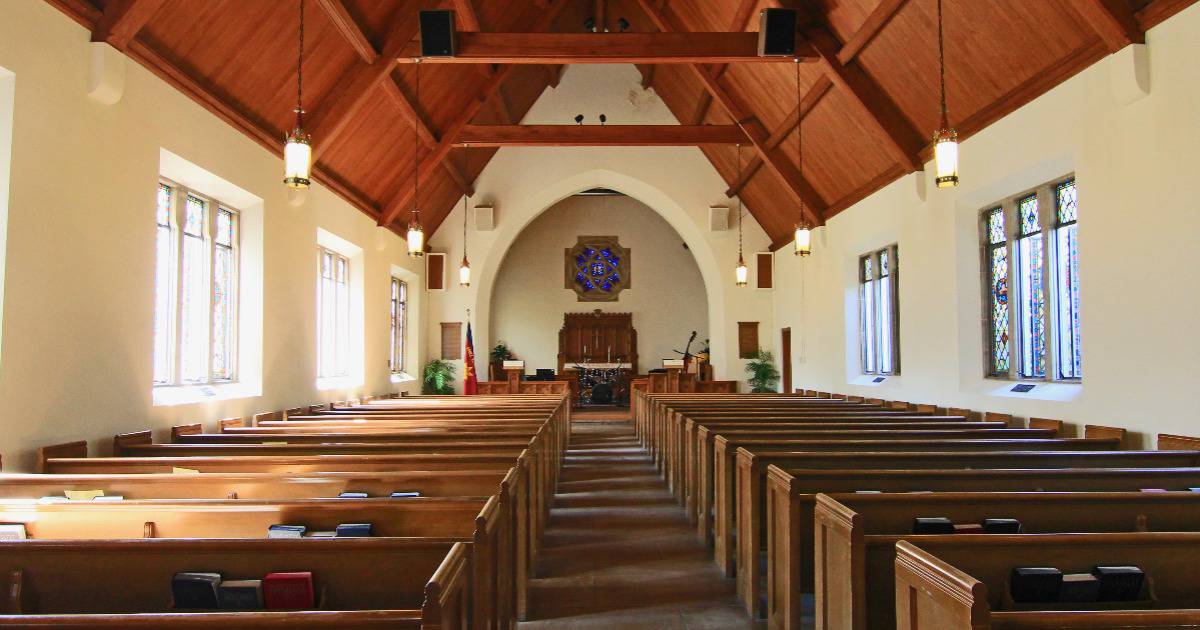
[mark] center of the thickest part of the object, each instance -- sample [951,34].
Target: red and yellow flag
[470,380]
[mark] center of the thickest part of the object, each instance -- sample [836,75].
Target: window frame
[398,302]
[179,195]
[874,285]
[341,326]
[1047,227]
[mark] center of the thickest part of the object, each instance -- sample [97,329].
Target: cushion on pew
[1119,583]
[932,525]
[1035,585]
[1001,526]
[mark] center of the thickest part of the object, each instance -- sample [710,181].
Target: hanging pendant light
[297,148]
[416,236]
[465,268]
[945,141]
[741,274]
[803,236]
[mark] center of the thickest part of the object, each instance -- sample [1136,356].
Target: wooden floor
[618,552]
[601,414]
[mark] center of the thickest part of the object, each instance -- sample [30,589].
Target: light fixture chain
[417,150]
[799,133]
[739,201]
[942,64]
[300,70]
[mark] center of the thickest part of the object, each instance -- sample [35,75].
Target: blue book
[354,530]
[405,495]
[353,495]
[286,531]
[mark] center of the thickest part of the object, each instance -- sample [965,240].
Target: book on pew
[107,498]
[176,470]
[53,499]
[321,535]
[1035,585]
[286,531]
[12,531]
[1079,588]
[1119,583]
[195,590]
[353,530]
[1001,526]
[240,595]
[353,495]
[405,495]
[83,495]
[968,528]
[932,525]
[288,591]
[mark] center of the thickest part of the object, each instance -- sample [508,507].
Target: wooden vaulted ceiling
[868,91]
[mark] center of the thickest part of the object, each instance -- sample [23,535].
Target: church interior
[599,314]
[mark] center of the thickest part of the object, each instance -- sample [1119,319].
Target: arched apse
[677,183]
[666,296]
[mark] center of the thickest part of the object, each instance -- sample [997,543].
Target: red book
[288,591]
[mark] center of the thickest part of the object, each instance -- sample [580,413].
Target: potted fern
[438,378]
[500,353]
[764,376]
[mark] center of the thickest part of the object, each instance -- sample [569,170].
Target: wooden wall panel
[435,271]
[452,343]
[765,268]
[747,339]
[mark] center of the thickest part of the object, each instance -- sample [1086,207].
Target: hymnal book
[1001,526]
[353,495]
[274,443]
[321,535]
[353,530]
[968,528]
[12,531]
[932,525]
[1194,489]
[405,495]
[286,531]
[288,591]
[195,590]
[240,594]
[1119,583]
[1035,585]
[1079,587]
[53,499]
[1154,490]
[83,495]
[176,470]
[108,497]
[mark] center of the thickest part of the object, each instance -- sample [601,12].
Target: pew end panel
[1112,433]
[1168,442]
[230,423]
[178,430]
[78,449]
[933,595]
[1046,423]
[123,440]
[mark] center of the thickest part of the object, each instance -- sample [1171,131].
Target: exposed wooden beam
[879,18]
[502,106]
[901,140]
[426,137]
[742,15]
[560,48]
[350,95]
[741,19]
[815,93]
[647,75]
[345,24]
[1113,20]
[466,16]
[402,196]
[599,135]
[1157,11]
[122,19]
[702,107]
[801,192]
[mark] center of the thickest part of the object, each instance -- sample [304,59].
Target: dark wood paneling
[747,339]
[452,341]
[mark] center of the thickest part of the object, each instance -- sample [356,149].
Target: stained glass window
[195,289]
[877,312]
[1070,356]
[333,307]
[399,314]
[597,268]
[1032,296]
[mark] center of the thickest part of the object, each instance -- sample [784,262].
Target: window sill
[338,382]
[191,394]
[402,377]
[868,380]
[1042,390]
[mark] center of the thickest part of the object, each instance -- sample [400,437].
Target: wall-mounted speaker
[718,219]
[437,33]
[485,218]
[777,32]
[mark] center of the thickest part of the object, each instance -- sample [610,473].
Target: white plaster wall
[667,296]
[77,342]
[677,182]
[1137,166]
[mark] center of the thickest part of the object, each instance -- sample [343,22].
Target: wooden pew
[750,506]
[857,534]
[792,497]
[72,581]
[959,582]
[484,523]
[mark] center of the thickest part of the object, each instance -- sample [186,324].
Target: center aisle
[618,552]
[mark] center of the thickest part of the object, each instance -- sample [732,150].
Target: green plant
[501,353]
[764,376]
[438,378]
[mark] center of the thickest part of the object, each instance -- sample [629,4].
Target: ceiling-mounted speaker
[485,218]
[718,219]
[437,33]
[777,32]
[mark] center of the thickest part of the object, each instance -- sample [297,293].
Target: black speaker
[777,32]
[437,33]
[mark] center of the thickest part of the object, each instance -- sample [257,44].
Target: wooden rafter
[879,18]
[466,17]
[401,195]
[815,93]
[741,19]
[122,19]
[345,24]
[1113,20]
[424,135]
[565,48]
[794,183]
[599,136]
